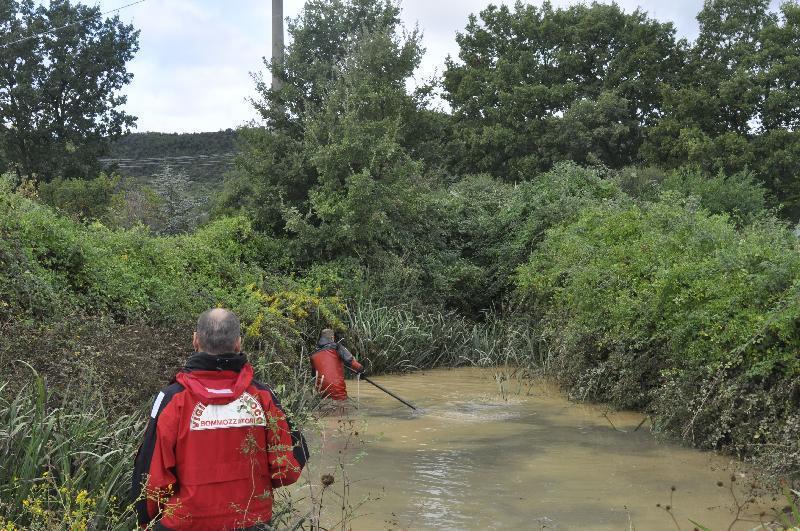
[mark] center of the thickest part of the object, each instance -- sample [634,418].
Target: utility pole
[277,43]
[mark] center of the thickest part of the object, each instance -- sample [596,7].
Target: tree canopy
[535,85]
[62,67]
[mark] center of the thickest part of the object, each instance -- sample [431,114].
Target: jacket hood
[216,379]
[325,344]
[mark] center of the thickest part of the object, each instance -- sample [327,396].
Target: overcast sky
[192,72]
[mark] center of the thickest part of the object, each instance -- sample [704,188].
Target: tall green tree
[535,85]
[738,105]
[62,67]
[280,167]
[320,37]
[355,142]
[274,172]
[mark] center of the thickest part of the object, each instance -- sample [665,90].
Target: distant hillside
[202,157]
[184,170]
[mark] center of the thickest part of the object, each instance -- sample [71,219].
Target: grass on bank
[68,465]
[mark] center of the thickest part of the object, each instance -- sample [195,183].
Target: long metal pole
[382,388]
[277,43]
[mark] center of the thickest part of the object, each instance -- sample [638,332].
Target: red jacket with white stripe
[215,447]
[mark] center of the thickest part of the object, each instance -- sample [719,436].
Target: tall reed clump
[405,338]
[65,466]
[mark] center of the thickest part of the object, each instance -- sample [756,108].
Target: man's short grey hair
[217,331]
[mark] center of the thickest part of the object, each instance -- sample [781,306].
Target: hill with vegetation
[203,157]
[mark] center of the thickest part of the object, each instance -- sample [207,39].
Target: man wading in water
[217,442]
[328,362]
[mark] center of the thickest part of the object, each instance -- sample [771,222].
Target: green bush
[51,266]
[666,307]
[81,198]
[460,244]
[738,194]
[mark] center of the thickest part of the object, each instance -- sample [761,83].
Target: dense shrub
[470,236]
[82,198]
[666,307]
[51,266]
[738,194]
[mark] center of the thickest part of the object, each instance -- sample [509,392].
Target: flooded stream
[474,458]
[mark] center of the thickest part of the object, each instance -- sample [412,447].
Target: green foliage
[595,85]
[342,132]
[494,226]
[337,178]
[666,307]
[535,85]
[51,266]
[322,35]
[122,203]
[777,153]
[59,94]
[740,195]
[83,199]
[736,107]
[601,131]
[135,206]
[275,173]
[365,179]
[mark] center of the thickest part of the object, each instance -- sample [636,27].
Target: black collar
[202,361]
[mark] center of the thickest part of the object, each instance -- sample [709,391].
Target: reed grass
[65,466]
[405,338]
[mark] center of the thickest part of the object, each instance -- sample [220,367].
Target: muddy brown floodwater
[527,458]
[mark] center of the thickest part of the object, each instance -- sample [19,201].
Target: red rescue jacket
[328,362]
[215,447]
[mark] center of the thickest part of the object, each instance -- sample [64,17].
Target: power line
[215,159]
[37,35]
[176,158]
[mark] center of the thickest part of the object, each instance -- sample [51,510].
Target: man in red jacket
[328,362]
[217,442]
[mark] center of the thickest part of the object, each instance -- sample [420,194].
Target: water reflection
[440,478]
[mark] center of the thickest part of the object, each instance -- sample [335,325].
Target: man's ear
[237,347]
[195,342]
